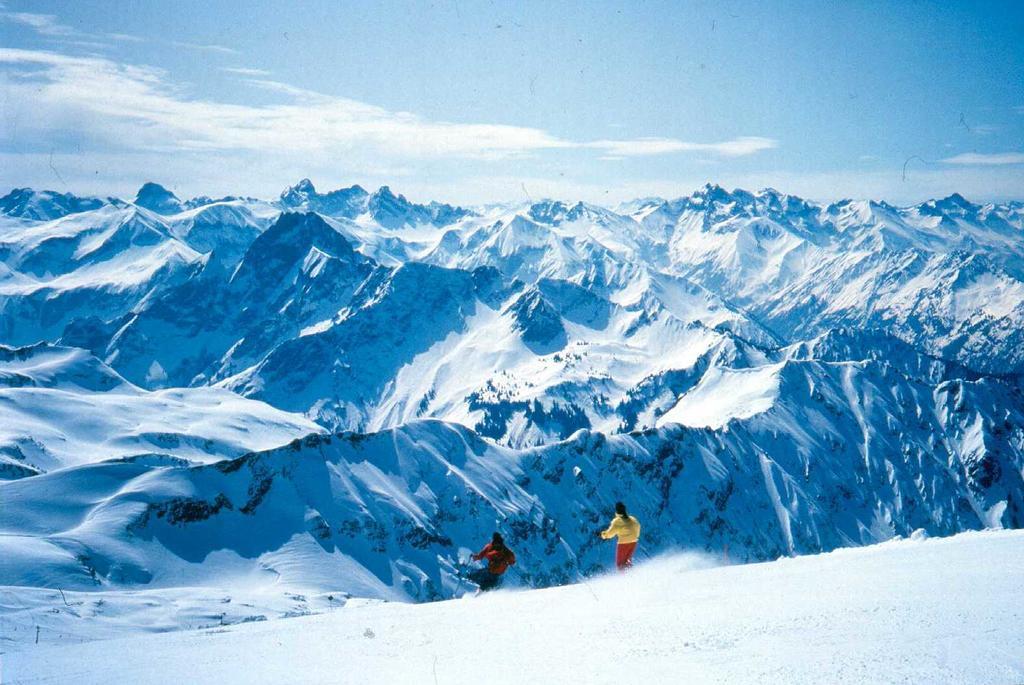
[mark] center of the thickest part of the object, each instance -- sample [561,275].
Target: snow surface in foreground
[921,611]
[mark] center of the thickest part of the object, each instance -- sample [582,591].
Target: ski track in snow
[907,611]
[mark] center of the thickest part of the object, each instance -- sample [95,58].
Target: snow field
[907,611]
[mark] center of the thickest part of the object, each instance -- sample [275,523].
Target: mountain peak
[344,202]
[45,205]
[955,204]
[769,192]
[286,243]
[956,200]
[390,210]
[156,198]
[538,322]
[152,187]
[712,193]
[639,204]
[712,190]
[298,193]
[713,197]
[550,212]
[393,211]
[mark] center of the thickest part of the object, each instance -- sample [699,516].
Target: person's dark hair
[497,540]
[620,509]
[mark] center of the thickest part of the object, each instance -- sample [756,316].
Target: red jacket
[498,560]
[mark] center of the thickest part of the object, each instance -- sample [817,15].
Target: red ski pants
[624,555]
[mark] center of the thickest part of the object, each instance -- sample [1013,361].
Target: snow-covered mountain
[61,407]
[46,205]
[87,268]
[799,456]
[383,207]
[524,323]
[944,275]
[751,370]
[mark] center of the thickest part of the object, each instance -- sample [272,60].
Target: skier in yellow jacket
[627,529]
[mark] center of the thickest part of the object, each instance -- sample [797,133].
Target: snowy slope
[726,394]
[227,316]
[225,228]
[61,407]
[96,264]
[524,364]
[838,453]
[923,611]
[800,268]
[472,347]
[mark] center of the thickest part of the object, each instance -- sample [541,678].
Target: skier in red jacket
[499,558]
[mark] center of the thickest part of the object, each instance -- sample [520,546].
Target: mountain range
[347,389]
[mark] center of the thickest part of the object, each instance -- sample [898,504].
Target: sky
[474,102]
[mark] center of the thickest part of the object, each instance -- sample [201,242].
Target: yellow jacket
[628,530]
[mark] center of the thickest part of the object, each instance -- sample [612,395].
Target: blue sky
[473,102]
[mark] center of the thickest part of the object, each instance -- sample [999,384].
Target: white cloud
[204,48]
[737,147]
[993,159]
[125,37]
[245,71]
[43,24]
[137,108]
[130,122]
[48,25]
